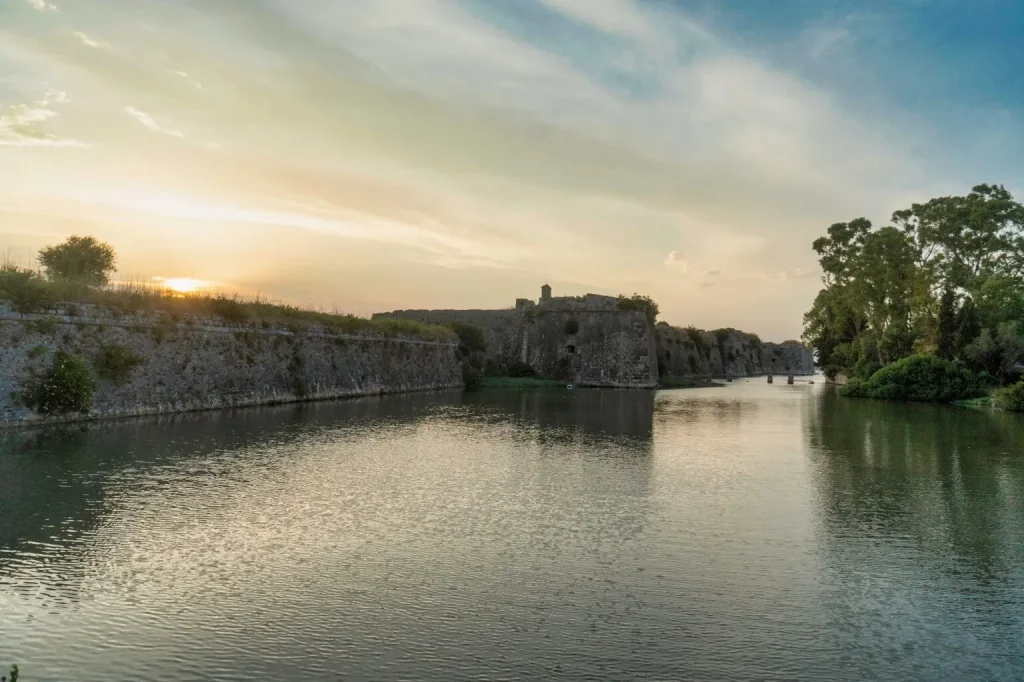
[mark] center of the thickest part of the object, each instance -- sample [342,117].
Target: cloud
[147,120]
[43,6]
[20,124]
[714,273]
[91,42]
[676,260]
[617,17]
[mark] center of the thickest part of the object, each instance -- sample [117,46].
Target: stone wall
[726,353]
[613,347]
[197,365]
[587,341]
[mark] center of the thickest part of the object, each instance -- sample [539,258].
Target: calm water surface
[746,532]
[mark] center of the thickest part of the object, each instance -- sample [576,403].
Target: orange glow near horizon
[183,285]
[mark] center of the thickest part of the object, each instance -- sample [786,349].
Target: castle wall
[589,344]
[613,347]
[203,364]
[728,353]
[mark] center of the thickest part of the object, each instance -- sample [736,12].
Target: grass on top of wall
[27,291]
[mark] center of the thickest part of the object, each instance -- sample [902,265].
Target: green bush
[26,290]
[572,326]
[116,363]
[865,368]
[471,337]
[471,376]
[1011,398]
[300,387]
[924,378]
[67,386]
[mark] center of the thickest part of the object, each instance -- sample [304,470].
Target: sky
[362,156]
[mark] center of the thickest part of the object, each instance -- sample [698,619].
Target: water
[744,532]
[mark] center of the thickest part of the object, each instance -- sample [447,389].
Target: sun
[183,285]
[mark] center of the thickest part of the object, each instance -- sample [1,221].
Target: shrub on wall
[471,376]
[644,304]
[25,289]
[923,378]
[471,337]
[572,326]
[228,309]
[116,363]
[67,386]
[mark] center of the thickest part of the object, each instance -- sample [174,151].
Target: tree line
[945,279]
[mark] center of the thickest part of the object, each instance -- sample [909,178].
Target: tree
[968,326]
[891,292]
[964,240]
[947,325]
[82,260]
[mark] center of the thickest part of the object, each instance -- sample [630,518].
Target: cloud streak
[148,121]
[91,42]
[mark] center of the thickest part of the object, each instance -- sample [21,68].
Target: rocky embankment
[150,364]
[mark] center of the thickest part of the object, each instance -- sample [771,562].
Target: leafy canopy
[83,260]
[945,279]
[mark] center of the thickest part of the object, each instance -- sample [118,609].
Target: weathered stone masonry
[599,344]
[613,347]
[204,365]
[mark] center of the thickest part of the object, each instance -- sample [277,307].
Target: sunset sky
[366,155]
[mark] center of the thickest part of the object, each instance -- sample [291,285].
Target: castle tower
[545,293]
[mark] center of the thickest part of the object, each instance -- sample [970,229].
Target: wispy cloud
[43,6]
[91,42]
[148,121]
[20,124]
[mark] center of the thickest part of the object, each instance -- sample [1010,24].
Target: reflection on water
[743,532]
[921,510]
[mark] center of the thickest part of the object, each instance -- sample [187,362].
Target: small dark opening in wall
[570,349]
[668,355]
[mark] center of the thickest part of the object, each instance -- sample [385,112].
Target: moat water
[748,532]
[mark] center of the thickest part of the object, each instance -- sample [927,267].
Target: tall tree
[947,325]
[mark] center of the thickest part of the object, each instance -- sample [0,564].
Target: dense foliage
[67,386]
[84,260]
[26,290]
[1012,397]
[924,378]
[945,279]
[471,338]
